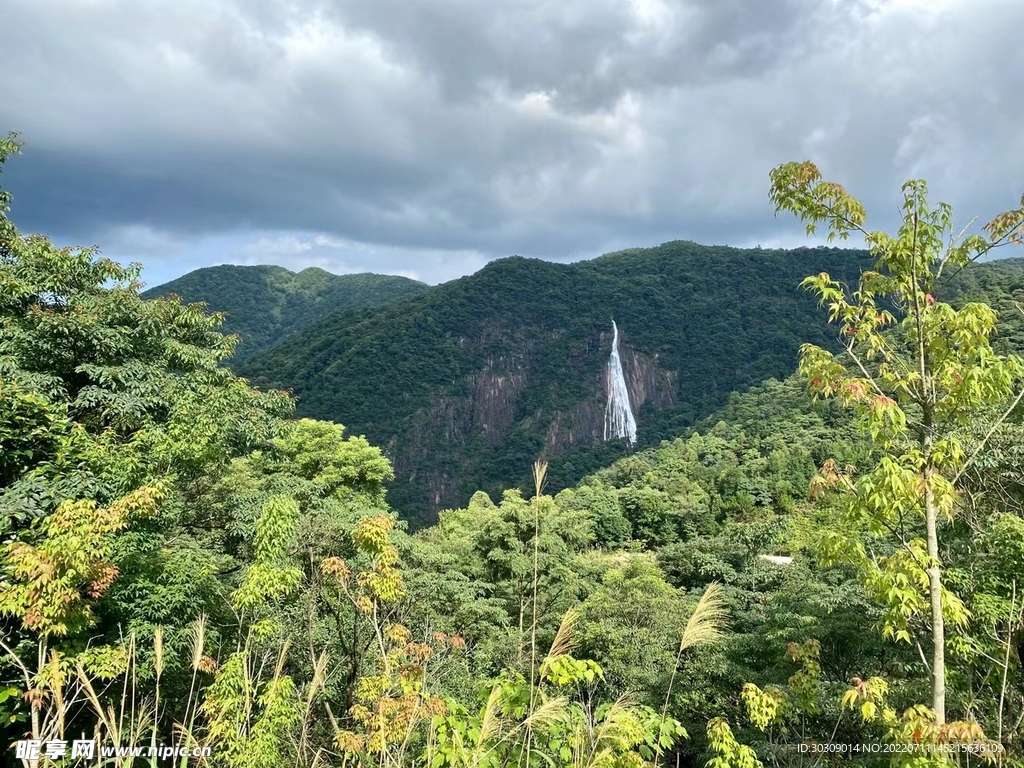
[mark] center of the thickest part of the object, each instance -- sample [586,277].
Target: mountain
[265,303]
[467,384]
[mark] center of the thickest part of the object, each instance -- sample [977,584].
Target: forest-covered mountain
[264,303]
[509,363]
[465,385]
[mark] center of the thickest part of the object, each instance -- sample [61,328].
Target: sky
[428,138]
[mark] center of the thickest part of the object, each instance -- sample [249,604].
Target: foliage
[916,370]
[728,753]
[53,579]
[631,625]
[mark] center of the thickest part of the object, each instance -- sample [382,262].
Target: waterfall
[618,416]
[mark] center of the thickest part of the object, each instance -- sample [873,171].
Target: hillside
[1000,284]
[265,303]
[467,384]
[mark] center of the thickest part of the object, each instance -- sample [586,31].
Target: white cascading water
[618,416]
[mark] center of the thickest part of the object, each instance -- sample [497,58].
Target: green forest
[814,561]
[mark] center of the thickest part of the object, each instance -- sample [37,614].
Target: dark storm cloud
[429,137]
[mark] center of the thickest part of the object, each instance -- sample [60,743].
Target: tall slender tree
[918,371]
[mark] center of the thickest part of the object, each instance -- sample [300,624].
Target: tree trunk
[931,512]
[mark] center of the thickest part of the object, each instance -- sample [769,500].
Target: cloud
[427,138]
[342,256]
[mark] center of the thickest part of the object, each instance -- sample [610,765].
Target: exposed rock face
[582,425]
[491,409]
[495,393]
[647,381]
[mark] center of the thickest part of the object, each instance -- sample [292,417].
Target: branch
[905,544]
[864,370]
[1004,240]
[981,446]
[922,352]
[871,379]
[949,251]
[17,660]
[920,651]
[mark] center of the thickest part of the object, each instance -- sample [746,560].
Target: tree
[110,408]
[631,625]
[917,371]
[8,146]
[528,549]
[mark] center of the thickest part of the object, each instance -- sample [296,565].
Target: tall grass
[65,691]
